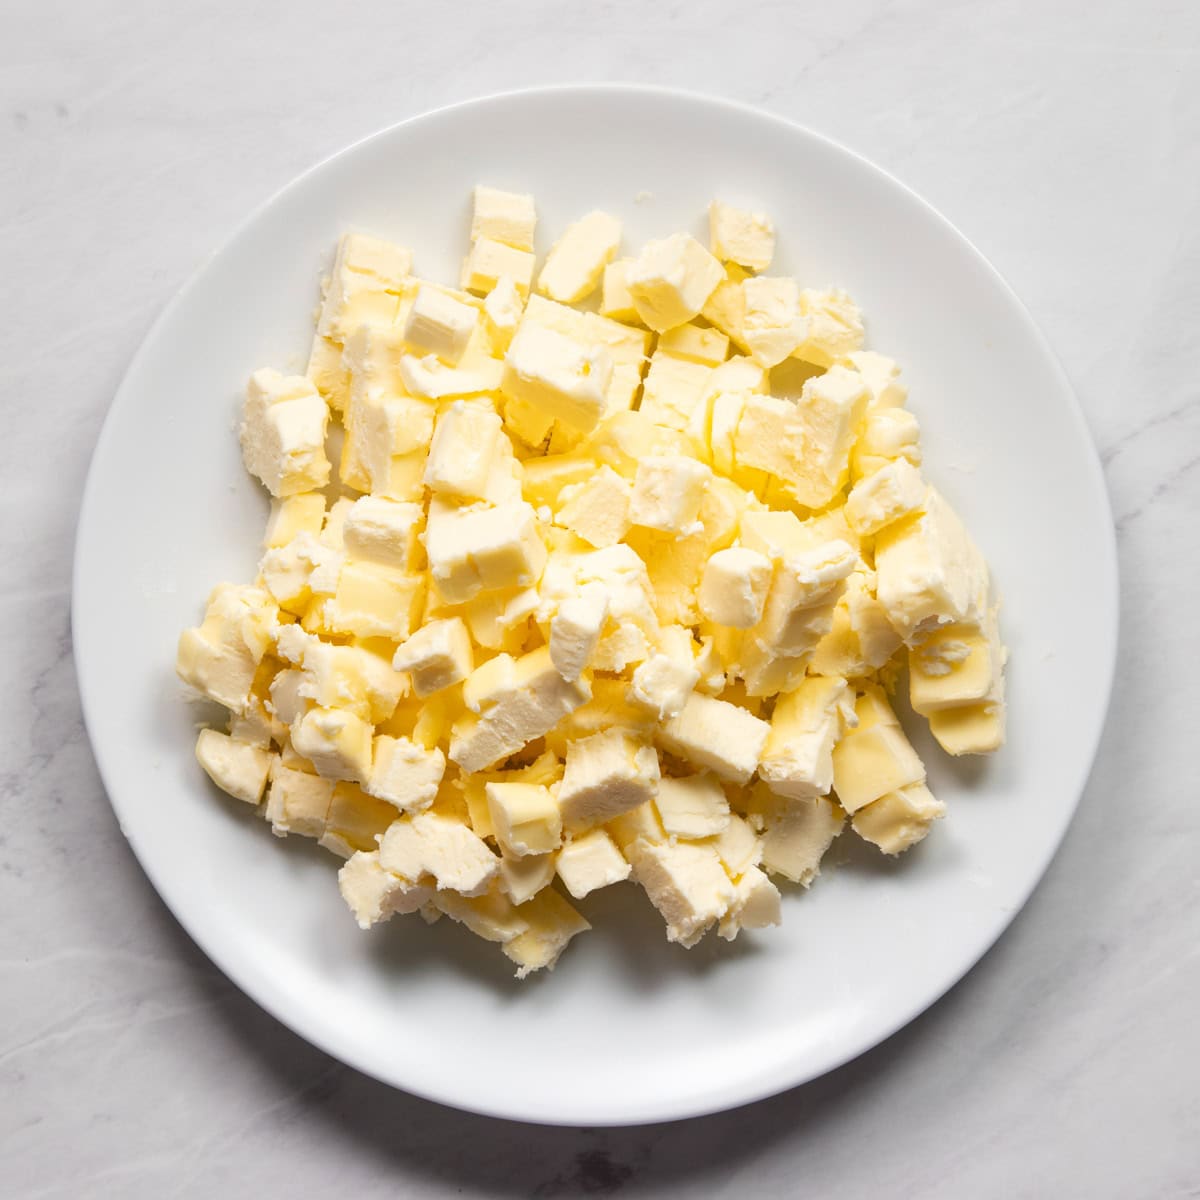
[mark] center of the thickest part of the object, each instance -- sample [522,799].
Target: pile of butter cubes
[590,596]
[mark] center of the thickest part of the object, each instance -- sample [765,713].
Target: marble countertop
[1061,138]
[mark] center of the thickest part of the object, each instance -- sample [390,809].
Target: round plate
[628,1028]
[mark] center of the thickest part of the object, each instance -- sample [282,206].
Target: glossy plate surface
[628,1028]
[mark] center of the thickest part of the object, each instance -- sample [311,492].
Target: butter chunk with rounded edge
[525,818]
[663,683]
[508,217]
[297,802]
[869,762]
[522,878]
[671,279]
[282,434]
[898,819]
[236,767]
[405,774]
[562,377]
[605,775]
[718,735]
[756,904]
[428,845]
[590,862]
[739,236]
[464,450]
[692,807]
[550,923]
[576,262]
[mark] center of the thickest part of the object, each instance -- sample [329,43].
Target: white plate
[629,1028]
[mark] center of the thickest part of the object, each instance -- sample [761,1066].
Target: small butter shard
[575,264]
[671,279]
[738,236]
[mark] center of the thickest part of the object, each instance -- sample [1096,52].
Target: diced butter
[733,588]
[383,531]
[522,878]
[364,286]
[490,261]
[671,279]
[525,818]
[590,862]
[373,894]
[405,774]
[898,819]
[575,264]
[772,326]
[292,516]
[236,767]
[477,549]
[575,630]
[873,759]
[550,923]
[738,236]
[701,345]
[667,492]
[834,327]
[336,742]
[605,775]
[885,497]
[797,761]
[686,883]
[692,807]
[596,509]
[715,734]
[430,846]
[220,657]
[508,217]
[616,301]
[563,378]
[439,324]
[283,433]
[664,682]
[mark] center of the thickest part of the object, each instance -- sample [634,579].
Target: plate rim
[765,1085]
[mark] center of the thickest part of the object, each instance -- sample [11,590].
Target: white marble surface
[1061,138]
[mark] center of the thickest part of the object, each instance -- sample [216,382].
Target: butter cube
[427,845]
[439,324]
[378,530]
[545,476]
[834,327]
[605,775]
[292,516]
[796,835]
[490,261]
[551,923]
[738,236]
[596,509]
[884,497]
[686,883]
[616,301]
[464,451]
[882,377]
[667,492]
[772,326]
[799,607]
[294,573]
[575,630]
[886,434]
[671,279]
[220,657]
[898,819]
[297,802]
[872,761]
[405,774]
[354,678]
[733,588]
[433,379]
[861,638]
[723,737]
[477,549]
[590,862]
[664,682]
[364,286]
[376,601]
[675,389]
[563,378]
[709,347]
[283,433]
[756,904]
[436,656]
[576,262]
[508,217]
[526,704]
[738,846]
[236,767]
[797,760]
[725,308]
[327,370]
[928,570]
[522,878]
[373,894]
[971,729]
[525,818]
[692,807]
[336,742]
[355,820]
[954,665]
[502,313]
